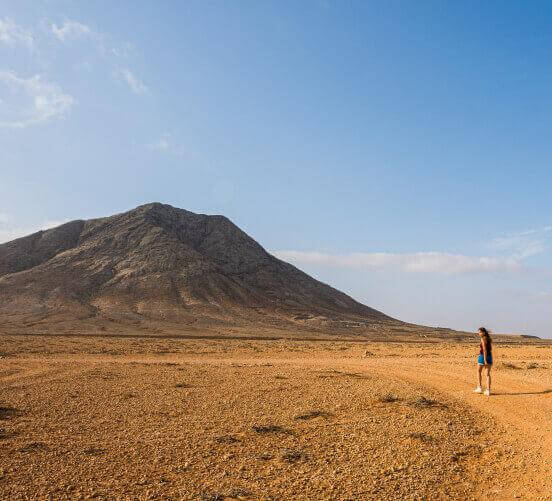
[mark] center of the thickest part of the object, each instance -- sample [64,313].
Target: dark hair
[486,336]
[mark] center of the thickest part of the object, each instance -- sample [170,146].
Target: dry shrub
[93,451]
[389,398]
[227,439]
[238,493]
[292,455]
[8,412]
[425,403]
[212,496]
[235,493]
[34,447]
[311,415]
[421,436]
[509,365]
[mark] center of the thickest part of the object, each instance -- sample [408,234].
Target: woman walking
[485,359]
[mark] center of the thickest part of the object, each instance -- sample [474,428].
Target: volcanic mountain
[158,264]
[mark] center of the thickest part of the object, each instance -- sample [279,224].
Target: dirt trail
[524,404]
[521,403]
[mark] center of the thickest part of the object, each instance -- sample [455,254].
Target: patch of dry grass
[426,403]
[509,365]
[311,415]
[389,398]
[271,428]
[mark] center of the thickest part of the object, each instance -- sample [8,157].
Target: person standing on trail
[485,359]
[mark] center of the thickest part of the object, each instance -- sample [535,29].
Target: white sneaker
[478,390]
[487,393]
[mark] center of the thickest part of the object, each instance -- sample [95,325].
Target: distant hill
[157,265]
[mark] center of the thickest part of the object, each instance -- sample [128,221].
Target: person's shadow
[524,392]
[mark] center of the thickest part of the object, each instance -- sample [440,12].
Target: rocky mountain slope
[163,264]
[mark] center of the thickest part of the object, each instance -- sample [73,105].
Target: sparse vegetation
[336,373]
[292,455]
[238,493]
[424,403]
[389,398]
[8,412]
[227,439]
[233,493]
[93,451]
[457,455]
[421,436]
[212,496]
[34,447]
[311,415]
[509,365]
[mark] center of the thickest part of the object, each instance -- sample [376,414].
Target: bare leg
[488,377]
[479,370]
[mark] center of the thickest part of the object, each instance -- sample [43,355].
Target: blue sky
[397,150]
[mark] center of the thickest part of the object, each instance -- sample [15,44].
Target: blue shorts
[481,361]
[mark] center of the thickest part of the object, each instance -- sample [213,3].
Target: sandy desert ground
[138,418]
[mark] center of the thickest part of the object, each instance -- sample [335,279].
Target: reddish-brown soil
[150,418]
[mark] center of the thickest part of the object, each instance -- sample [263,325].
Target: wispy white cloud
[526,243]
[122,50]
[34,101]
[112,52]
[9,233]
[71,30]
[134,83]
[421,262]
[115,54]
[512,250]
[165,144]
[12,34]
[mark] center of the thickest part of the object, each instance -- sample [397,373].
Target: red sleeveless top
[489,349]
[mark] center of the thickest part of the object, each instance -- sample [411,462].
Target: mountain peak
[162,263]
